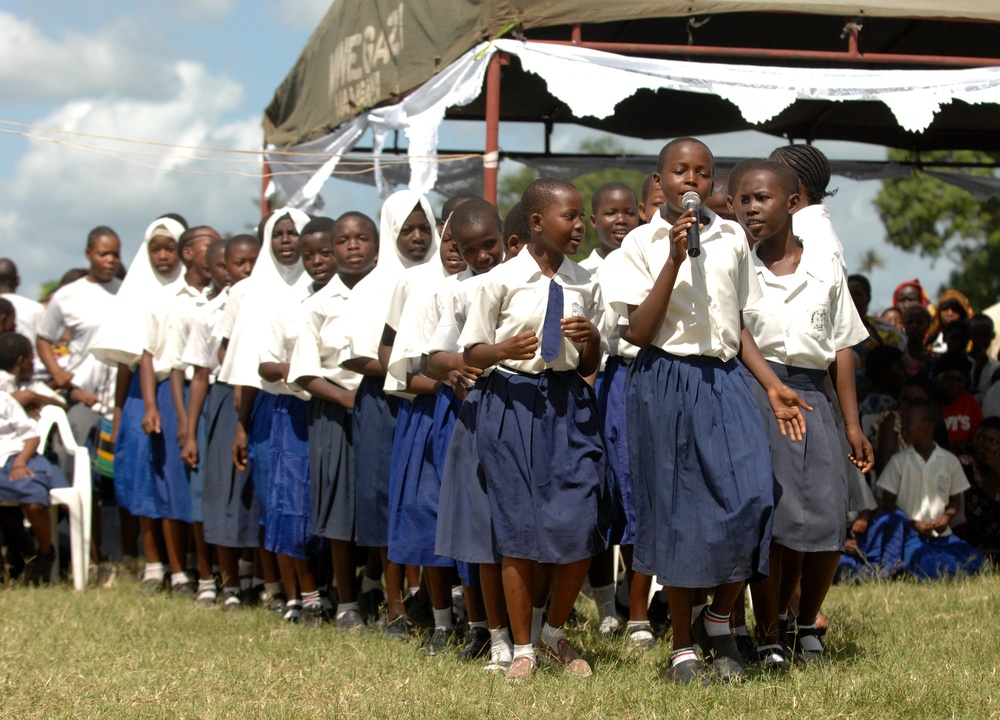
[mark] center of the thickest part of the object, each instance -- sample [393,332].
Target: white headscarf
[270,286]
[368,306]
[123,336]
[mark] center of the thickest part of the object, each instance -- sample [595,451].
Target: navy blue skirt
[289,500]
[231,510]
[331,470]
[611,404]
[259,447]
[32,490]
[810,478]
[133,473]
[701,471]
[465,521]
[547,475]
[171,484]
[374,420]
[196,476]
[420,446]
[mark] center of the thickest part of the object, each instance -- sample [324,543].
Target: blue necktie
[552,329]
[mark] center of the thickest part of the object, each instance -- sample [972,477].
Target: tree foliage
[923,214]
[512,184]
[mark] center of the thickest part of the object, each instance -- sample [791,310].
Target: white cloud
[35,67]
[301,14]
[204,10]
[57,193]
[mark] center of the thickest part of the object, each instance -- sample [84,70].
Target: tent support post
[265,177]
[491,159]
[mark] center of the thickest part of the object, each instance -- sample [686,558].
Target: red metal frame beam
[778,54]
[491,159]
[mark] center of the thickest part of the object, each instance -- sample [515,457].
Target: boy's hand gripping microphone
[691,201]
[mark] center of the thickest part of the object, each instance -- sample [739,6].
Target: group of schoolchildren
[458,404]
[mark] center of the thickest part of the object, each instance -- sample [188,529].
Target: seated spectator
[926,482]
[985,370]
[917,321]
[893,316]
[981,528]
[962,414]
[888,429]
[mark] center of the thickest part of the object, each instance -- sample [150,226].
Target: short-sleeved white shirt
[593,261]
[513,298]
[80,307]
[703,316]
[16,428]
[202,346]
[168,325]
[812,225]
[608,274]
[279,341]
[321,344]
[922,488]
[804,318]
[29,314]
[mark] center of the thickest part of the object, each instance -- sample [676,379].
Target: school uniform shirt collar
[715,228]
[571,273]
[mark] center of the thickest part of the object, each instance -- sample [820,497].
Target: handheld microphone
[691,201]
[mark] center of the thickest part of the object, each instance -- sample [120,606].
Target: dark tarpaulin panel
[371,52]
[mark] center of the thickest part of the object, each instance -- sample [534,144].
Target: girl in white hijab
[407,239]
[121,340]
[277,279]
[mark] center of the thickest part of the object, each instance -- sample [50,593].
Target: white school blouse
[29,314]
[202,347]
[922,488]
[513,297]
[804,318]
[417,324]
[278,341]
[321,344]
[455,299]
[703,317]
[167,327]
[16,428]
[593,261]
[812,225]
[80,307]
[608,274]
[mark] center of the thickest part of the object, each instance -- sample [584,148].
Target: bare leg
[289,577]
[725,597]
[602,568]
[204,552]
[818,570]
[766,600]
[229,564]
[791,575]
[541,584]
[41,526]
[491,580]
[474,604]
[342,552]
[306,576]
[680,600]
[393,585]
[175,536]
[439,586]
[517,587]
[565,589]
[268,565]
[150,542]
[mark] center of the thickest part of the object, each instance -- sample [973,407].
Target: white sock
[367,584]
[273,588]
[484,625]
[443,619]
[741,630]
[681,654]
[230,590]
[639,630]
[179,578]
[310,599]
[523,651]
[716,625]
[501,646]
[536,623]
[245,568]
[605,598]
[205,586]
[551,636]
[410,592]
[344,608]
[152,571]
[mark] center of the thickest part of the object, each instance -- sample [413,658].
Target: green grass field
[902,650]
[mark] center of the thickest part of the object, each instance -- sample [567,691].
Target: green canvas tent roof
[370,53]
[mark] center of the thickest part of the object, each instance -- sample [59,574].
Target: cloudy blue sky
[199,73]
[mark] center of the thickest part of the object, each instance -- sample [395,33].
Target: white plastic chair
[78,498]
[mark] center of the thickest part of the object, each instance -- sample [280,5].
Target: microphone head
[691,201]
